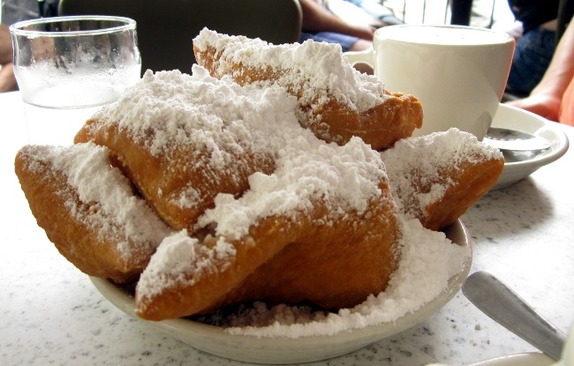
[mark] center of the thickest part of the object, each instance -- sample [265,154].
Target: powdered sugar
[169,108]
[319,68]
[305,168]
[115,211]
[426,156]
[428,261]
[170,264]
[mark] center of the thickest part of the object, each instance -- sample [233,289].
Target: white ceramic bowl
[518,119]
[283,350]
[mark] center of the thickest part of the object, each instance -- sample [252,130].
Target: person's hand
[362,31]
[545,105]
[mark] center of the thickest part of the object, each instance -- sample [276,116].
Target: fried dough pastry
[334,100]
[89,211]
[327,277]
[181,145]
[315,255]
[437,177]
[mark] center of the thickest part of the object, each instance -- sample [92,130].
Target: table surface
[50,313]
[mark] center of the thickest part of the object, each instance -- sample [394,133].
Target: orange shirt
[566,115]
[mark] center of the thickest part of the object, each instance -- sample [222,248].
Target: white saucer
[286,350]
[523,359]
[518,119]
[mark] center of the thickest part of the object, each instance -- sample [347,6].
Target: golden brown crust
[437,178]
[332,266]
[473,180]
[191,292]
[469,182]
[381,126]
[84,233]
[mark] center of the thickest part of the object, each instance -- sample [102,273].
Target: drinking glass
[66,67]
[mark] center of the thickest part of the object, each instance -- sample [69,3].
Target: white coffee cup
[458,73]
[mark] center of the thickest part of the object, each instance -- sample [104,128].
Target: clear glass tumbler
[72,63]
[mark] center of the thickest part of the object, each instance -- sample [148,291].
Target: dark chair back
[166,28]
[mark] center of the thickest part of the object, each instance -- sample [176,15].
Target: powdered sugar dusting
[428,155]
[115,211]
[169,108]
[170,264]
[318,68]
[344,176]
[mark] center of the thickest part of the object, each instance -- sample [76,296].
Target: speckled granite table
[50,313]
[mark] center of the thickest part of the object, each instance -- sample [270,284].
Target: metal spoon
[503,305]
[513,140]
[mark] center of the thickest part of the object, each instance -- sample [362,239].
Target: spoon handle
[503,305]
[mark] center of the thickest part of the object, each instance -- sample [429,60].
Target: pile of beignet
[212,190]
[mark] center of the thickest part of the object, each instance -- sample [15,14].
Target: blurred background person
[350,23]
[13,11]
[535,42]
[322,25]
[7,79]
[553,97]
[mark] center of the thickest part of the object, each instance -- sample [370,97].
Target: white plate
[523,359]
[282,350]
[518,119]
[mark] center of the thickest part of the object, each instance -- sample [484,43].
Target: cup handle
[361,57]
